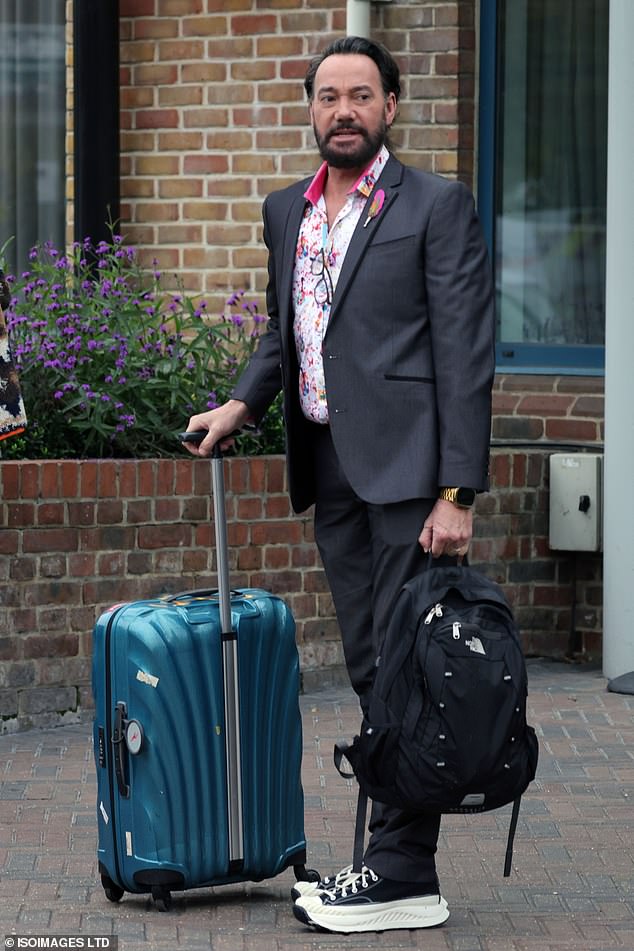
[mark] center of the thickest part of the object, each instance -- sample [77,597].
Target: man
[381,335]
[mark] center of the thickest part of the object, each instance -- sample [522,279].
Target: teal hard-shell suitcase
[198,738]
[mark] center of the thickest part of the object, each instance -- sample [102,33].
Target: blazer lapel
[389,180]
[284,276]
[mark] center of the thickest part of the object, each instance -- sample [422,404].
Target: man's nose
[345,107]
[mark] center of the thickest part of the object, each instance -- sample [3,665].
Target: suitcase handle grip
[119,749]
[199,593]
[196,436]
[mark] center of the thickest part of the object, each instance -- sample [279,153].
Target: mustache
[345,127]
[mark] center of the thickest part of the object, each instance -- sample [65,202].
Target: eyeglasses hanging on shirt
[323,289]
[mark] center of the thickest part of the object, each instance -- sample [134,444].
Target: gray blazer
[409,348]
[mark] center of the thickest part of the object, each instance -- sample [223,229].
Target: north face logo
[475,645]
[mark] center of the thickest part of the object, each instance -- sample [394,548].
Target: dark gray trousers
[368,552]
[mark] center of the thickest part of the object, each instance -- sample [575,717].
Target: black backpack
[446,726]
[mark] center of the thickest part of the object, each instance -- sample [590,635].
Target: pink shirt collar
[364,184]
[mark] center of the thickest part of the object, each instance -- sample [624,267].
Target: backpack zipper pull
[436,611]
[456,630]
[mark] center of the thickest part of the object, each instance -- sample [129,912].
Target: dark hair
[390,77]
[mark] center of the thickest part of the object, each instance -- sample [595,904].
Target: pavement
[571,887]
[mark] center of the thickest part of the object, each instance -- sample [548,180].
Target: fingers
[434,542]
[425,538]
[200,423]
[459,553]
[447,531]
[219,423]
[456,552]
[206,445]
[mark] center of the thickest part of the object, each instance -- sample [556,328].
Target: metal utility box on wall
[576,501]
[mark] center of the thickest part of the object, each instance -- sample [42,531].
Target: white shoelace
[331,883]
[353,881]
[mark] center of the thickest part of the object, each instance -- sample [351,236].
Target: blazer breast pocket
[384,239]
[393,255]
[407,378]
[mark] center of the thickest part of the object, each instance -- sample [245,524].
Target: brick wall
[534,416]
[76,536]
[214,117]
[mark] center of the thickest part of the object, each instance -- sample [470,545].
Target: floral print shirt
[318,260]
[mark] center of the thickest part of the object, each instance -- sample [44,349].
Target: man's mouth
[345,132]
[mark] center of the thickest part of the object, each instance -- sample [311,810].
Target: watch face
[465,497]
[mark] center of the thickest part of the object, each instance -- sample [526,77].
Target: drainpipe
[358,18]
[618,526]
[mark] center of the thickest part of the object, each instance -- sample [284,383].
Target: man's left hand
[447,530]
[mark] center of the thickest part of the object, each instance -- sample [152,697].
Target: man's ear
[390,108]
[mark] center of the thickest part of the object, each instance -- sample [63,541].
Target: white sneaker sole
[426,912]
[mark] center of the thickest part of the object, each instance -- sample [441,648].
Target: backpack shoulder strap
[511,836]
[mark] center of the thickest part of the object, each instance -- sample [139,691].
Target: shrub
[113,366]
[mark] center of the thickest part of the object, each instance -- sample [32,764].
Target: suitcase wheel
[303,874]
[113,892]
[162,897]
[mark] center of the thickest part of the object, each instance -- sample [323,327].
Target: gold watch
[460,496]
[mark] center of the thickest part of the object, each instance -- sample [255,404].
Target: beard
[356,157]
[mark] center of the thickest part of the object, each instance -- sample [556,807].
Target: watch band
[459,495]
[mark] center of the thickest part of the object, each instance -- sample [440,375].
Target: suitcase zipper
[109,747]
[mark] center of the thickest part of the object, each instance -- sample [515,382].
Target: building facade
[206,114]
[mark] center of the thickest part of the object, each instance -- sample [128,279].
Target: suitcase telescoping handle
[230,673]
[229,651]
[220,518]
[222,546]
[230,668]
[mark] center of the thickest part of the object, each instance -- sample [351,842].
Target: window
[543,170]
[32,126]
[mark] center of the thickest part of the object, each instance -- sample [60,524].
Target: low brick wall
[78,536]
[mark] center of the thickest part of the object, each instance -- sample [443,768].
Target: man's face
[349,111]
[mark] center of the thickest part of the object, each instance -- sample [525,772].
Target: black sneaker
[300,889]
[368,902]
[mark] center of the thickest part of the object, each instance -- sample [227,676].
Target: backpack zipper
[436,611]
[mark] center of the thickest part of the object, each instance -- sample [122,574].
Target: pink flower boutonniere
[375,207]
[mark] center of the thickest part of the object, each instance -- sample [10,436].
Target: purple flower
[101,333]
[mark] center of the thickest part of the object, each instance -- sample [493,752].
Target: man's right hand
[219,423]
